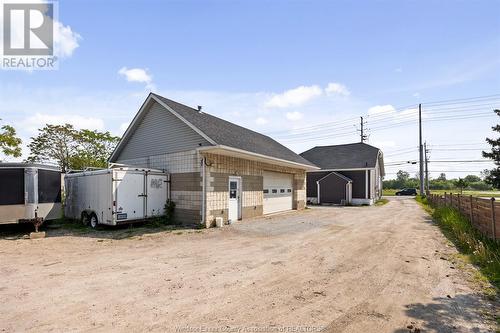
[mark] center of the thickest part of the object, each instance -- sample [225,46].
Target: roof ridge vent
[199,108]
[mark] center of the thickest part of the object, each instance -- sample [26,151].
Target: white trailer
[29,192]
[115,196]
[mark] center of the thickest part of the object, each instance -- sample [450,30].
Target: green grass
[486,194]
[476,248]
[389,191]
[381,202]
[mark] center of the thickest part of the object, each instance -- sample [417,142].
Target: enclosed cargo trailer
[29,191]
[115,196]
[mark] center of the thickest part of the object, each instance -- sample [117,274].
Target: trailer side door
[156,185]
[129,195]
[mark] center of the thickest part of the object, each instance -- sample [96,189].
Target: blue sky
[336,59]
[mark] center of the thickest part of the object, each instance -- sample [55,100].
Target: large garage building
[217,168]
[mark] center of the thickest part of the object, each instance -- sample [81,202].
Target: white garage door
[277,192]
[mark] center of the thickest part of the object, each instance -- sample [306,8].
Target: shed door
[130,195]
[277,192]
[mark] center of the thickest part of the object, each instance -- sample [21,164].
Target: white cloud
[39,120]
[261,121]
[416,94]
[296,115]
[398,70]
[381,109]
[337,88]
[294,97]
[136,75]
[65,40]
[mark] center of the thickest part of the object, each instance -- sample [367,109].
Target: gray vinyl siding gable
[160,132]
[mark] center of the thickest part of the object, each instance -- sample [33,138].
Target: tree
[461,184]
[70,148]
[442,177]
[472,179]
[485,174]
[10,144]
[493,177]
[53,143]
[93,150]
[402,176]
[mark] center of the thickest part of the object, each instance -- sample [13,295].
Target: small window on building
[275,190]
[282,190]
[289,190]
[266,191]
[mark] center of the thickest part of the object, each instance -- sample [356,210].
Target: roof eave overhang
[346,169]
[235,152]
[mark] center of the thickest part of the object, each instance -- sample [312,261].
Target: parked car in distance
[407,191]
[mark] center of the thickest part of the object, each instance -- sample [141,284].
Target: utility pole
[362,130]
[426,169]
[421,150]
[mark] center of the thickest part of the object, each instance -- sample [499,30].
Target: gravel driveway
[337,269]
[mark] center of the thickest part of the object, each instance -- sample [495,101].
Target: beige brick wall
[251,172]
[186,186]
[185,175]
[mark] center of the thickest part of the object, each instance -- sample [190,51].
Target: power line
[390,114]
[394,120]
[462,99]
[308,137]
[461,161]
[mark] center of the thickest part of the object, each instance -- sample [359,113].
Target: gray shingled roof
[348,156]
[228,134]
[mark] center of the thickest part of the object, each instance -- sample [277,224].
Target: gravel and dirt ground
[336,269]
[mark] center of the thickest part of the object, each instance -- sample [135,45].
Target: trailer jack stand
[37,221]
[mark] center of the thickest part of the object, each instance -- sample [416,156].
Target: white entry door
[234,213]
[278,192]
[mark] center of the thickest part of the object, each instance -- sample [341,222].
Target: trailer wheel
[93,221]
[85,219]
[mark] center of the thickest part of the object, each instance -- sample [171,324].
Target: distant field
[389,192]
[486,194]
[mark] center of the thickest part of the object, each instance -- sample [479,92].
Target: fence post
[493,223]
[459,204]
[471,211]
[445,200]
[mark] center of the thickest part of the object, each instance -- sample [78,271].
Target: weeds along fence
[484,214]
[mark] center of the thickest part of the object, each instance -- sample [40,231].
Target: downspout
[204,192]
[366,184]
[317,188]
[347,193]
